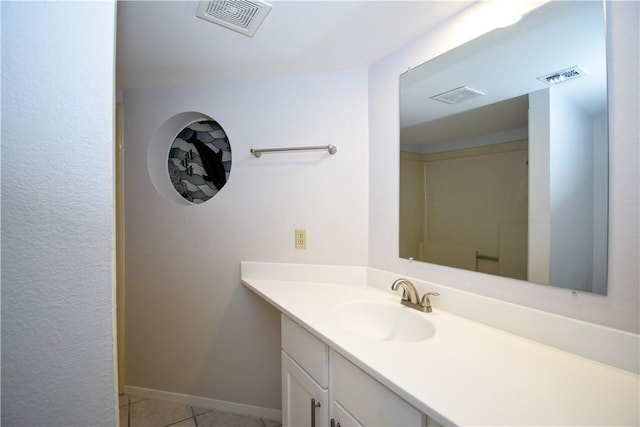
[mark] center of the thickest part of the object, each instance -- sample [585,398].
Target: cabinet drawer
[368,401]
[308,351]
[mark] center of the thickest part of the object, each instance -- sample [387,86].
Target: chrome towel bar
[257,152]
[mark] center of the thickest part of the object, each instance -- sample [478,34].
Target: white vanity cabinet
[317,381]
[305,377]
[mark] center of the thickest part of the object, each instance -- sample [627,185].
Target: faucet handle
[425,303]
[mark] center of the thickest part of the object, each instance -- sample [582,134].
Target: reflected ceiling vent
[563,75]
[243,16]
[458,95]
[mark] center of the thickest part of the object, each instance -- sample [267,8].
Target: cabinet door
[299,393]
[342,418]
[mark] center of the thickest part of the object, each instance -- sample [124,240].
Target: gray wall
[191,327]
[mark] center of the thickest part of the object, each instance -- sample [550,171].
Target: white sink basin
[383,321]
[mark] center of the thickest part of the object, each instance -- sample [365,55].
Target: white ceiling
[164,43]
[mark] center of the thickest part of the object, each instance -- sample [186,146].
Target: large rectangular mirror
[504,152]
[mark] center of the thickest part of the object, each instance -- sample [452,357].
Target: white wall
[572,193]
[539,187]
[191,327]
[58,365]
[620,308]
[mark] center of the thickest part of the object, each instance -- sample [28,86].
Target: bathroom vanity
[352,355]
[319,384]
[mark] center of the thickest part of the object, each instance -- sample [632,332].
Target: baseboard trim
[205,402]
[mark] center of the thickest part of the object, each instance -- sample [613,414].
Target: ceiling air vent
[243,16]
[458,95]
[562,76]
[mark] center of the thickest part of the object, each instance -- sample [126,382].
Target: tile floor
[142,412]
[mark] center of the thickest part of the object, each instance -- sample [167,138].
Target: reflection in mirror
[504,152]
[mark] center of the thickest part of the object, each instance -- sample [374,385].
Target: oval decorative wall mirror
[200,161]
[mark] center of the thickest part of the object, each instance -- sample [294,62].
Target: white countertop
[467,373]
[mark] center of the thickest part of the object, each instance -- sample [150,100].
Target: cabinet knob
[314,405]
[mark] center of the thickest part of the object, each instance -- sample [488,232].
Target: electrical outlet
[301,239]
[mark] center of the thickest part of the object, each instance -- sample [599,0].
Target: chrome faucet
[410,296]
[409,292]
